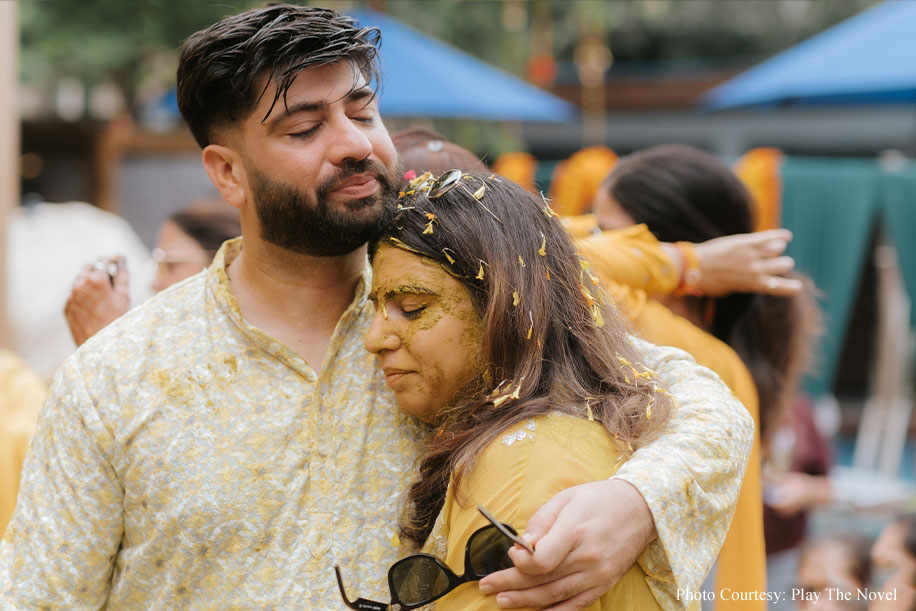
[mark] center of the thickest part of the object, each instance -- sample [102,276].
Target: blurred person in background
[893,558]
[758,344]
[186,243]
[895,547]
[47,246]
[422,150]
[797,460]
[22,392]
[833,561]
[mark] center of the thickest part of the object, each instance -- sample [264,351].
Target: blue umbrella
[423,77]
[867,59]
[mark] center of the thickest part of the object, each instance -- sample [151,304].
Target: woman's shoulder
[556,432]
[534,459]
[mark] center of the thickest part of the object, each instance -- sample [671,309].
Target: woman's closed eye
[411,312]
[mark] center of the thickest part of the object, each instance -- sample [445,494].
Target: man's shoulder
[159,325]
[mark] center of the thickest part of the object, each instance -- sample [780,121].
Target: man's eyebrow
[357,95]
[289,111]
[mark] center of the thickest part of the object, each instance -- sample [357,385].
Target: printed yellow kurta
[632,256]
[186,459]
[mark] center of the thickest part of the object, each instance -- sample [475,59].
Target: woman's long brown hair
[549,337]
[683,193]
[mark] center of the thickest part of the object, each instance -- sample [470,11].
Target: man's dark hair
[221,68]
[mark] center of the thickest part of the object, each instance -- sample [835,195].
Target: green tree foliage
[133,42]
[130,42]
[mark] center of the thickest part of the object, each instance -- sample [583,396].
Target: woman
[489,328]
[186,243]
[685,195]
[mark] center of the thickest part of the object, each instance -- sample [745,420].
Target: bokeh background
[89,115]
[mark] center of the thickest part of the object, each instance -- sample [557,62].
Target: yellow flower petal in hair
[429,225]
[588,410]
[479,192]
[479,275]
[515,394]
[401,244]
[649,408]
[448,256]
[420,181]
[543,249]
[548,273]
[547,209]
[521,261]
[515,298]
[596,316]
[531,327]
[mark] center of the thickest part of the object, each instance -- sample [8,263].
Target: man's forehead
[319,85]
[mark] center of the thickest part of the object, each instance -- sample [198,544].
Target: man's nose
[350,141]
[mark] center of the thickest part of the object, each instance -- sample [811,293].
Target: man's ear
[227,172]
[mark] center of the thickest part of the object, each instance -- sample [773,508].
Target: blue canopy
[867,59]
[423,77]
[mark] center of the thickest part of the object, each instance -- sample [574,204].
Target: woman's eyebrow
[411,289]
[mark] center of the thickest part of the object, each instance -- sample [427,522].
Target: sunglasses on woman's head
[420,579]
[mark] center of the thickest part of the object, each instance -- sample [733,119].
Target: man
[226,443]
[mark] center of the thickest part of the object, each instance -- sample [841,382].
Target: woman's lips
[393,375]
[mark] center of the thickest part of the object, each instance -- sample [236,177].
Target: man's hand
[585,539]
[97,298]
[747,263]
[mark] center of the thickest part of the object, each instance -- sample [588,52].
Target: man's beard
[293,221]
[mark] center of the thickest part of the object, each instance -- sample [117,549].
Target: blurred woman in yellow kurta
[21,394]
[758,344]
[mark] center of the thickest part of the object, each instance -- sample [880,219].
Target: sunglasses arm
[359,603]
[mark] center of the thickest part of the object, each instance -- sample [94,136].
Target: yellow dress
[630,264]
[518,472]
[21,394]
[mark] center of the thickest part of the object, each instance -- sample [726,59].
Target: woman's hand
[747,263]
[98,297]
[586,537]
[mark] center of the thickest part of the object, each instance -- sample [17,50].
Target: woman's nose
[380,335]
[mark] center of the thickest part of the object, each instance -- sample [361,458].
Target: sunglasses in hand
[420,579]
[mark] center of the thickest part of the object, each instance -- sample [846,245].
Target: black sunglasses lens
[489,551]
[418,580]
